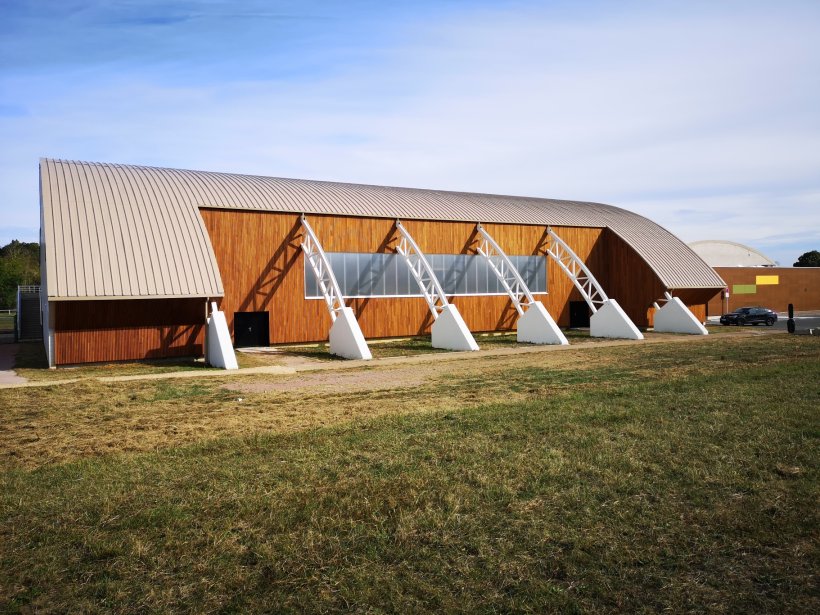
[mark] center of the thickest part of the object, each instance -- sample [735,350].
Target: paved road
[802,322]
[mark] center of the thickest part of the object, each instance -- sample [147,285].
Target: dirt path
[414,370]
[96,416]
[296,364]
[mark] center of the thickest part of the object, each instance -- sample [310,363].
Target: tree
[808,259]
[19,265]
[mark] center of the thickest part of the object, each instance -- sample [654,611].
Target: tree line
[808,259]
[19,265]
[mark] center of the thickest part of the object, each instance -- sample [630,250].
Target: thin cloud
[704,119]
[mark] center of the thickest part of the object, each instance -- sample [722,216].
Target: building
[133,257]
[773,287]
[747,285]
[720,253]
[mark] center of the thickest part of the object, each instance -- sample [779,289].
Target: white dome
[719,253]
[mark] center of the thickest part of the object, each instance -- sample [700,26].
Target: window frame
[436,262]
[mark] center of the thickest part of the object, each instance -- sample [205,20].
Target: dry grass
[89,418]
[32,364]
[31,360]
[7,322]
[65,422]
[657,477]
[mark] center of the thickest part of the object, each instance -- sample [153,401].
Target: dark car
[749,316]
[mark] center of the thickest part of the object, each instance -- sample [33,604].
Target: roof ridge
[464,193]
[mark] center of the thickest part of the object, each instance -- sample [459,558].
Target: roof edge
[418,218]
[132,297]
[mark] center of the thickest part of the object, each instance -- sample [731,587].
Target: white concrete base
[346,337]
[611,321]
[536,326]
[218,339]
[675,317]
[450,332]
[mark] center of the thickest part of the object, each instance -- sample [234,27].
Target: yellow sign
[767,279]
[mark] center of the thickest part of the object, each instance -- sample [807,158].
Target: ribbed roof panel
[116,231]
[130,231]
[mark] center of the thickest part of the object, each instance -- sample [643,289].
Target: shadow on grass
[31,360]
[626,495]
[31,363]
[399,347]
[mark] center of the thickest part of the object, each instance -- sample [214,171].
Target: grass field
[678,477]
[7,322]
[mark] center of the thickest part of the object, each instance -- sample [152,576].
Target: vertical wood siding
[635,286]
[262,269]
[95,331]
[629,280]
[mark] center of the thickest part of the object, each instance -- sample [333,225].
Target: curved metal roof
[116,231]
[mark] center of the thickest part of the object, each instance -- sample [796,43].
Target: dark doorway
[250,329]
[578,314]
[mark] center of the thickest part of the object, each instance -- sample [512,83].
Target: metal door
[251,329]
[578,314]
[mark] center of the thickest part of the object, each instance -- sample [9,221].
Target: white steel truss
[608,318]
[535,325]
[449,331]
[574,267]
[422,271]
[505,271]
[346,339]
[317,259]
[667,297]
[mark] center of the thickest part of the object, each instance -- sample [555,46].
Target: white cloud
[686,115]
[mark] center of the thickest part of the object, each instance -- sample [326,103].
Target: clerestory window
[362,275]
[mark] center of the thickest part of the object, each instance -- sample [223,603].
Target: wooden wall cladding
[633,284]
[96,331]
[262,269]
[797,285]
[629,280]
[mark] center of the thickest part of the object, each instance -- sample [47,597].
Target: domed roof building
[721,253]
[134,256]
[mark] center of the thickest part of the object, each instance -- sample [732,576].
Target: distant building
[772,287]
[720,253]
[746,285]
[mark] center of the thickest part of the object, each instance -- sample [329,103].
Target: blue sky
[704,116]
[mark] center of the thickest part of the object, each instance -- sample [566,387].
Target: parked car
[750,316]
